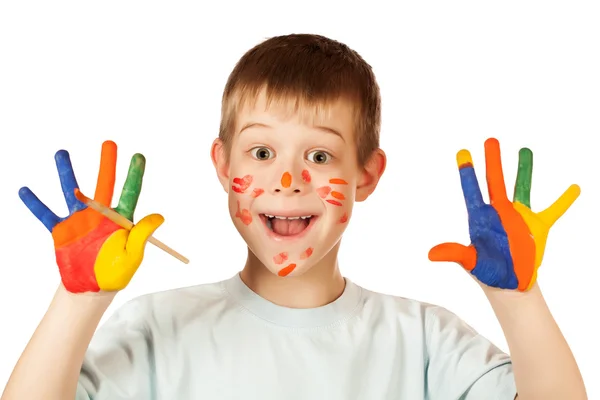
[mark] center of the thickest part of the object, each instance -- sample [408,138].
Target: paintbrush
[125,223]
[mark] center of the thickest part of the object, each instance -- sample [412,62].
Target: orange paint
[107,174]
[280,258]
[334,202]
[338,195]
[243,214]
[344,218]
[306,253]
[286,271]
[520,241]
[240,185]
[323,191]
[286,180]
[257,192]
[306,176]
[338,181]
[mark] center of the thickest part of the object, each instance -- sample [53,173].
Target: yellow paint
[464,157]
[122,253]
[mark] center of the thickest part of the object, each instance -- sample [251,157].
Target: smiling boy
[298,146]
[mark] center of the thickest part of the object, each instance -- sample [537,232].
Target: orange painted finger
[466,256]
[106,175]
[494,174]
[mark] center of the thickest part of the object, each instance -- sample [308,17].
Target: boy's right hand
[92,252]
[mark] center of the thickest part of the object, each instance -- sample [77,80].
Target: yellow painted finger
[561,205]
[539,231]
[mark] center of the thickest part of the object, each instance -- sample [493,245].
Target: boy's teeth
[279,217]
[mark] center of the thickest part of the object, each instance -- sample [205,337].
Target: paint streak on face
[257,192]
[240,185]
[338,181]
[344,218]
[286,180]
[280,258]
[306,253]
[287,270]
[306,176]
[323,191]
[243,214]
[334,202]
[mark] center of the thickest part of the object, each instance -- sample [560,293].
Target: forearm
[50,364]
[544,365]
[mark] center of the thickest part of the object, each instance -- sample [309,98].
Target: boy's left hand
[508,239]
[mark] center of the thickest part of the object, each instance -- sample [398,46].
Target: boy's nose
[288,184]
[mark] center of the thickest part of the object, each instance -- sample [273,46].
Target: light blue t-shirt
[222,341]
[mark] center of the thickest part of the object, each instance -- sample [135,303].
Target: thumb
[141,232]
[466,256]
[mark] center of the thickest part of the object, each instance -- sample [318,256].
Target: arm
[543,364]
[53,357]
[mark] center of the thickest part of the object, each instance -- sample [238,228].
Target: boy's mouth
[288,227]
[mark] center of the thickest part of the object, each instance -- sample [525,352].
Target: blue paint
[494,266]
[68,183]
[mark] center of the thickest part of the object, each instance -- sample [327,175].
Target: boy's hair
[305,73]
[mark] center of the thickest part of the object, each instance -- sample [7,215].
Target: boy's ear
[219,159]
[370,175]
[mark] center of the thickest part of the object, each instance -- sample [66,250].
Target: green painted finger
[524,173]
[132,187]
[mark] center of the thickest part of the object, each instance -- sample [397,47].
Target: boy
[298,145]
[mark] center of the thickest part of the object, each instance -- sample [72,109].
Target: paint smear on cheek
[323,191]
[334,202]
[286,180]
[243,214]
[280,258]
[306,253]
[257,192]
[338,181]
[344,218]
[306,176]
[337,195]
[287,270]
[240,185]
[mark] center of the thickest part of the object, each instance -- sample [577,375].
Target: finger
[495,177]
[141,232]
[466,256]
[468,180]
[39,209]
[551,214]
[132,187]
[68,182]
[105,185]
[522,192]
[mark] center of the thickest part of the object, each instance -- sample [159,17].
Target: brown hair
[307,72]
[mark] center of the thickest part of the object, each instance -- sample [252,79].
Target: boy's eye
[262,153]
[319,157]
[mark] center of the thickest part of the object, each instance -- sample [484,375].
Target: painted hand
[508,239]
[92,252]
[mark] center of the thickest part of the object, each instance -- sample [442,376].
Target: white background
[150,75]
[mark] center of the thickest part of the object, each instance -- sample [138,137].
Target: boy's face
[292,185]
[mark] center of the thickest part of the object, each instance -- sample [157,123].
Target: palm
[507,238]
[89,247]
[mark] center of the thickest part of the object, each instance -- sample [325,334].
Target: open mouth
[288,227]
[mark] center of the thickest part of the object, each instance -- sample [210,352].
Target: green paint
[524,174]
[132,187]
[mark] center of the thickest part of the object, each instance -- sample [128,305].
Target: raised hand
[508,239]
[92,252]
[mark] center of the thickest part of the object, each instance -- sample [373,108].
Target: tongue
[288,227]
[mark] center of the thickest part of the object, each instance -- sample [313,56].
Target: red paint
[338,195]
[338,181]
[243,214]
[286,271]
[280,258]
[344,218]
[257,192]
[306,253]
[240,185]
[306,176]
[323,191]
[334,202]
[76,260]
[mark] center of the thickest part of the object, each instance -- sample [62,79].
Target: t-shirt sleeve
[118,362]
[463,364]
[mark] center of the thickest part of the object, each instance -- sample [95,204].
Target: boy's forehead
[337,115]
